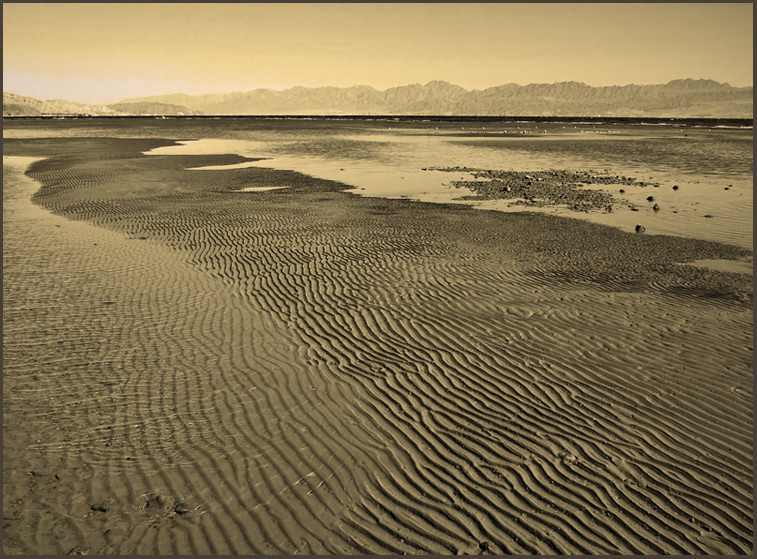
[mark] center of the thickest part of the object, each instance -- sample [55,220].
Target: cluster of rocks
[543,188]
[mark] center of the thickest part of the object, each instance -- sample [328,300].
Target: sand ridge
[314,372]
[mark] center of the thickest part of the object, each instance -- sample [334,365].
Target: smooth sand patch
[308,371]
[734,266]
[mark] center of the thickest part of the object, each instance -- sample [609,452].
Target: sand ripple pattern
[307,372]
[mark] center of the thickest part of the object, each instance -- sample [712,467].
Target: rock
[656,208]
[640,229]
[675,187]
[650,198]
[622,191]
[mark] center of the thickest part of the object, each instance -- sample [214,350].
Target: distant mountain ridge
[685,98]
[678,98]
[17,105]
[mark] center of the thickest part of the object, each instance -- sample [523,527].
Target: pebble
[640,228]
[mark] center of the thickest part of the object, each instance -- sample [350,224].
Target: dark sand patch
[307,371]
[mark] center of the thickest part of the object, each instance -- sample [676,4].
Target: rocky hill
[151,108]
[678,98]
[17,105]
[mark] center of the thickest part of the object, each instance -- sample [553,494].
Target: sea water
[710,163]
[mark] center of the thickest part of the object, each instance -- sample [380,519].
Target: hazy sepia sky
[107,52]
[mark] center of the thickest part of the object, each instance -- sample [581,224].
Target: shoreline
[319,372]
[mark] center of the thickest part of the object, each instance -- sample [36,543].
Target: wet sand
[190,368]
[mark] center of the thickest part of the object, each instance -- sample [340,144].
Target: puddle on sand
[260,188]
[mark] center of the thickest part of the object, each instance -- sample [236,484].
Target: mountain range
[17,105]
[686,98]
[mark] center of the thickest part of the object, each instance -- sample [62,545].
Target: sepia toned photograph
[377,279]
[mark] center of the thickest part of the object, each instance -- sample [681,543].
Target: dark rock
[650,198]
[656,208]
[640,228]
[675,187]
[182,508]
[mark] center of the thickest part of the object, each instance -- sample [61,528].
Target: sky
[100,53]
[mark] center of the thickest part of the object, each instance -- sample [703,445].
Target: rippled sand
[192,369]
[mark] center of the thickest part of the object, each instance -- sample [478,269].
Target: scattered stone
[675,187]
[708,215]
[541,188]
[656,208]
[640,228]
[650,198]
[182,508]
[622,191]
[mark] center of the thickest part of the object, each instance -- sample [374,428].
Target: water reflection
[712,167]
[712,172]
